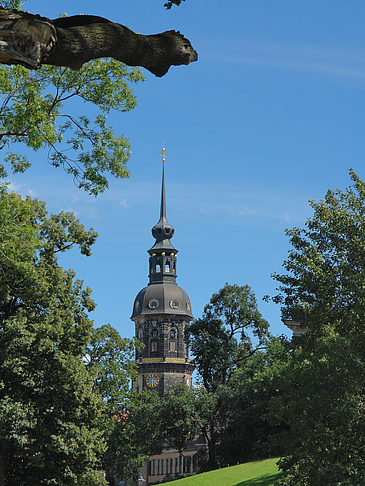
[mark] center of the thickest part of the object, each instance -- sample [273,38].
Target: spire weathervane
[163,152]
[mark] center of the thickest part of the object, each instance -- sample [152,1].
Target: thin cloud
[123,204]
[21,189]
[330,61]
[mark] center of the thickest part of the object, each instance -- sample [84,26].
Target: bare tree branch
[32,40]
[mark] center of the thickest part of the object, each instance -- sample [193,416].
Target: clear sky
[271,116]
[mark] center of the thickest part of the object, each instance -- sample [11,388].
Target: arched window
[173,333]
[167,266]
[158,268]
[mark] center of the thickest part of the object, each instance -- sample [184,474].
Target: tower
[161,312]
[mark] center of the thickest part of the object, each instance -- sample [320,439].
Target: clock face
[153,304]
[152,381]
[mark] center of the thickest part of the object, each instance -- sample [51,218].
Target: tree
[249,430]
[35,104]
[31,40]
[35,111]
[321,389]
[111,358]
[150,424]
[324,283]
[49,412]
[230,331]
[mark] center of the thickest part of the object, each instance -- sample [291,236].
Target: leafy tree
[49,413]
[321,389]
[35,111]
[35,105]
[324,283]
[111,358]
[150,424]
[321,399]
[249,430]
[230,332]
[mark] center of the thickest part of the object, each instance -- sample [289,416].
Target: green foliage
[111,359]
[321,388]
[248,431]
[324,285]
[49,413]
[15,4]
[230,331]
[321,398]
[35,111]
[150,424]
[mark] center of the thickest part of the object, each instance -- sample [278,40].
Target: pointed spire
[163,231]
[162,254]
[163,197]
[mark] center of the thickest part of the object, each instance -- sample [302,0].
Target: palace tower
[161,312]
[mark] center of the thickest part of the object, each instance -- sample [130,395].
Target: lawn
[258,473]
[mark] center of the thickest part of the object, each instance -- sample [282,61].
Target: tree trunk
[31,40]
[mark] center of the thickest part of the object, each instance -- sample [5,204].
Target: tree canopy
[229,333]
[62,382]
[48,411]
[321,388]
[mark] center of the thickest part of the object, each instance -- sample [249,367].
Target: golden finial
[163,152]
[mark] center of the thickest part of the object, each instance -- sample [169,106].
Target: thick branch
[32,40]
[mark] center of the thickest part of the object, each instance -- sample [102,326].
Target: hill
[257,473]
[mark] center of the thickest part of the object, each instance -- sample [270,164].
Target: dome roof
[162,298]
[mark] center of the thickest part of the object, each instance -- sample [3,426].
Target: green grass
[258,473]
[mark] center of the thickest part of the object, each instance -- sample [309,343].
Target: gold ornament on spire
[163,152]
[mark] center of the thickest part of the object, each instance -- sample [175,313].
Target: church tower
[161,312]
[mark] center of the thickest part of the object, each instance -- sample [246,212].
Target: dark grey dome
[162,298]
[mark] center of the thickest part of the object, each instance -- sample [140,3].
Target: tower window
[167,266]
[158,268]
[154,347]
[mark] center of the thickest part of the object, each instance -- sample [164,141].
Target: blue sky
[271,116]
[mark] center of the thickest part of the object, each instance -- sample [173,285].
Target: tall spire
[163,231]
[163,197]
[162,254]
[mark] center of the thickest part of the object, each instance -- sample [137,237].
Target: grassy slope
[258,473]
